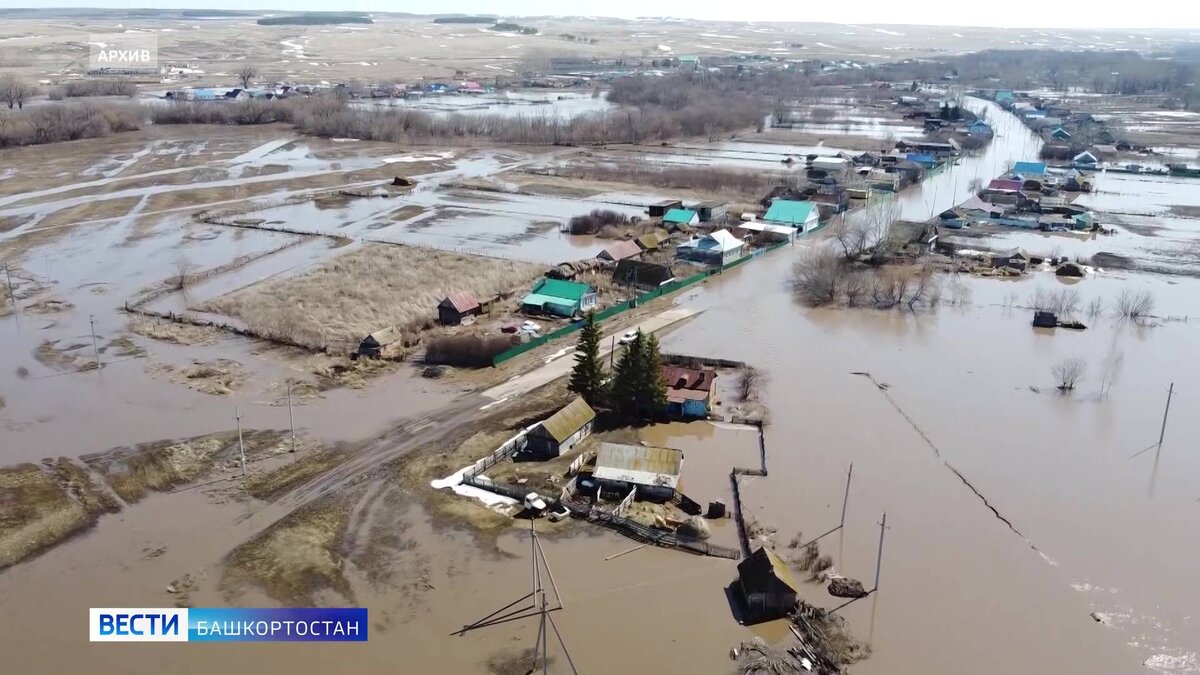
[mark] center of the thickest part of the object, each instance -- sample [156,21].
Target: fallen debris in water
[845,587]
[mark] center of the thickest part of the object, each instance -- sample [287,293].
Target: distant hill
[315,19]
[466,19]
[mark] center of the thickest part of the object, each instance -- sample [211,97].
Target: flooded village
[758,362]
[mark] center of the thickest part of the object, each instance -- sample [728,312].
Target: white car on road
[628,337]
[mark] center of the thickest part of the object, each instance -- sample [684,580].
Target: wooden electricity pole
[237,415]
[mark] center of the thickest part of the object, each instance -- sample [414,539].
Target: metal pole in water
[1162,432]
[237,415]
[11,295]
[291,420]
[95,349]
[846,498]
[879,555]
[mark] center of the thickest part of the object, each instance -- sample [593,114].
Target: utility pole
[612,355]
[237,415]
[1162,432]
[846,498]
[95,348]
[291,420]
[11,294]
[879,555]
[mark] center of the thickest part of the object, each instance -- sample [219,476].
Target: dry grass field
[338,303]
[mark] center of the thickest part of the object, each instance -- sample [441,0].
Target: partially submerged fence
[622,307]
[507,449]
[738,515]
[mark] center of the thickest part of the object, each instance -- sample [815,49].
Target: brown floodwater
[1089,529]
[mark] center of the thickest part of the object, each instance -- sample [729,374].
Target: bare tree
[924,288]
[1096,307]
[749,381]
[246,75]
[184,272]
[14,91]
[1110,369]
[1069,372]
[817,276]
[1135,305]
[855,287]
[1065,301]
[852,235]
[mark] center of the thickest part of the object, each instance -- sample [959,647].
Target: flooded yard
[1022,522]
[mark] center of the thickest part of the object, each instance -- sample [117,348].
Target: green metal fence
[620,308]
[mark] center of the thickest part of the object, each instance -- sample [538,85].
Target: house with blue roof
[979,128]
[1061,134]
[803,216]
[207,95]
[1030,169]
[927,161]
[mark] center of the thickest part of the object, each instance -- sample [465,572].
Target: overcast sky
[1060,14]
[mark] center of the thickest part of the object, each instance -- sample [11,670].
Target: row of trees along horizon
[635,389]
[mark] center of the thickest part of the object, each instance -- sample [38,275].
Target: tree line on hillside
[635,389]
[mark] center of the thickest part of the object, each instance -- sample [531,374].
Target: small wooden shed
[561,431]
[660,209]
[454,307]
[376,343]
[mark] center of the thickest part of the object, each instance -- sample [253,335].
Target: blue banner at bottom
[342,624]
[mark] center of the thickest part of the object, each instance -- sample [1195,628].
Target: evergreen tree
[623,397]
[654,390]
[638,388]
[587,378]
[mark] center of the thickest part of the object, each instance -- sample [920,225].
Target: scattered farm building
[1005,185]
[652,471]
[1060,134]
[560,298]
[691,392]
[652,241]
[620,250]
[457,306]
[1086,160]
[1014,259]
[1044,320]
[803,216]
[660,209]
[644,275]
[827,165]
[679,217]
[766,232]
[375,344]
[561,431]
[709,211]
[716,248]
[766,586]
[926,160]
[1030,169]
[979,128]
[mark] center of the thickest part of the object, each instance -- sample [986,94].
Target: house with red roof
[691,392]
[457,306]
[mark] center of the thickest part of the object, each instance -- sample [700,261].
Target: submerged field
[961,424]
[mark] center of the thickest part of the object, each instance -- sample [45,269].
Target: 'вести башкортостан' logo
[204,624]
[123,53]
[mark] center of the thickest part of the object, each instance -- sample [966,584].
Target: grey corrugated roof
[641,464]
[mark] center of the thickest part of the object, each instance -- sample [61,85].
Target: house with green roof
[559,298]
[678,217]
[803,216]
